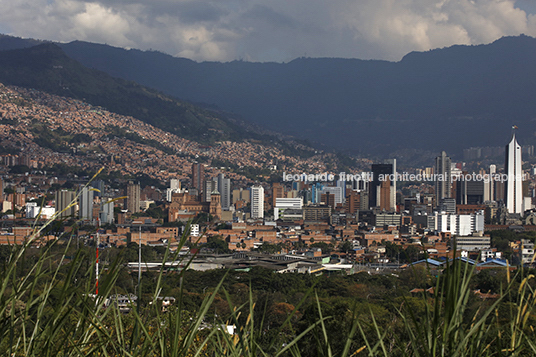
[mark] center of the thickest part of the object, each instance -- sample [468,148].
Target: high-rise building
[443,182]
[337,192]
[99,185]
[64,198]
[209,187]
[198,175]
[469,192]
[283,204]
[133,197]
[224,188]
[392,190]
[460,224]
[85,204]
[278,191]
[447,205]
[513,193]
[382,189]
[241,195]
[353,201]
[175,184]
[174,187]
[342,185]
[328,199]
[107,211]
[257,202]
[489,184]
[316,191]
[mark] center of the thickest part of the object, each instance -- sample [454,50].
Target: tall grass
[46,311]
[448,327]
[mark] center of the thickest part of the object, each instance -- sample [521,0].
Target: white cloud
[103,24]
[262,30]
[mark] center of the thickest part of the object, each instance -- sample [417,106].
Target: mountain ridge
[443,99]
[46,67]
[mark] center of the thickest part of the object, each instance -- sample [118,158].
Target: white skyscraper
[443,183]
[85,211]
[257,202]
[393,183]
[489,185]
[174,186]
[107,211]
[513,193]
[224,188]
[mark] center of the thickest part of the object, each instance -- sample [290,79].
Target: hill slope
[46,67]
[50,131]
[444,99]
[448,98]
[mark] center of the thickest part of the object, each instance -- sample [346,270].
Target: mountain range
[47,68]
[444,99]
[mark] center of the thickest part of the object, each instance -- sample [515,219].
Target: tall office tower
[469,192]
[489,184]
[107,211]
[316,191]
[257,201]
[382,189]
[513,193]
[224,188]
[353,201]
[209,187]
[241,195]
[392,162]
[85,204]
[306,196]
[278,191]
[198,175]
[337,192]
[174,187]
[133,197]
[443,182]
[362,183]
[63,199]
[447,205]
[175,184]
[342,185]
[99,185]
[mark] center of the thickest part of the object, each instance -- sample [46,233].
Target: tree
[218,245]
[412,253]
[346,246]
[269,248]
[392,250]
[326,248]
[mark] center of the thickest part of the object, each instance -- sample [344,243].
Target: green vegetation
[55,140]
[502,239]
[65,170]
[274,314]
[48,307]
[115,131]
[46,67]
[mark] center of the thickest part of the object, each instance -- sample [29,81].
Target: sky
[271,30]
